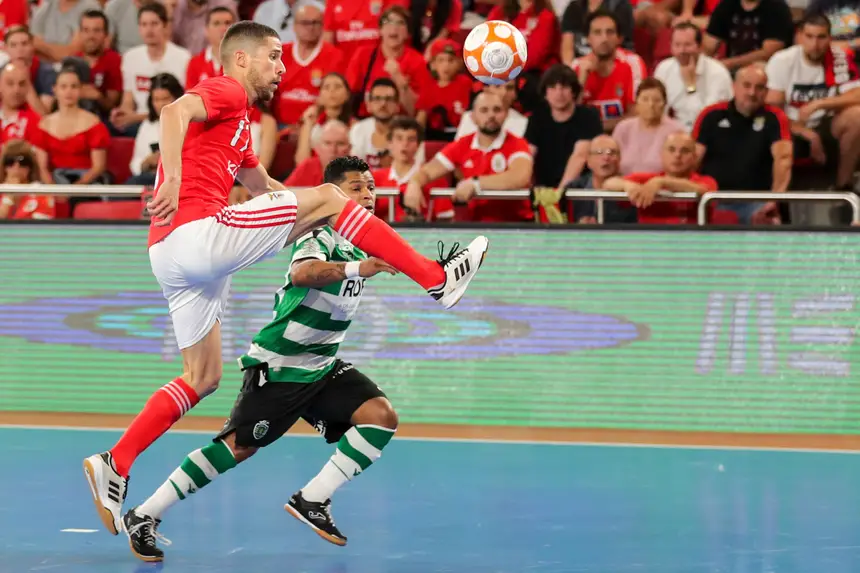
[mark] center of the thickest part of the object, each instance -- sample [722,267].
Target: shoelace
[326,507]
[150,532]
[452,254]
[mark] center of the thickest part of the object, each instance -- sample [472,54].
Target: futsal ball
[495,52]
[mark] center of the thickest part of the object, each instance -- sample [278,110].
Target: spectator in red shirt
[354,24]
[19,168]
[333,103]
[71,142]
[441,106]
[13,13]
[391,57]
[678,175]
[19,121]
[207,64]
[333,143]
[104,87]
[490,159]
[19,46]
[432,20]
[404,140]
[307,60]
[539,25]
[607,80]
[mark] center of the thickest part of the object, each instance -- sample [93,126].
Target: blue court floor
[454,507]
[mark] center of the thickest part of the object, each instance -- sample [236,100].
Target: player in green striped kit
[291,371]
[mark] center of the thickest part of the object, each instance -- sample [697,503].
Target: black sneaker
[317,516]
[142,534]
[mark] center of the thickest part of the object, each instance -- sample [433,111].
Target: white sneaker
[460,268]
[109,490]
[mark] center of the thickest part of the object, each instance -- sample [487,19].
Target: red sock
[373,236]
[162,410]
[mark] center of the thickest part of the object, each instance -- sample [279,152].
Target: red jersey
[540,31]
[300,85]
[308,173]
[452,24]
[13,13]
[613,95]
[106,72]
[355,23]
[23,124]
[412,66]
[31,206]
[73,152]
[445,105]
[671,212]
[212,155]
[386,177]
[466,155]
[637,66]
[200,67]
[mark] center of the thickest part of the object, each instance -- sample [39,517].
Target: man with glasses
[604,160]
[392,57]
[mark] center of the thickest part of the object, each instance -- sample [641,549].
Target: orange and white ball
[495,52]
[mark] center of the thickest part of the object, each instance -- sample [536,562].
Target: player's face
[152,30]
[93,34]
[20,46]
[13,86]
[67,90]
[815,41]
[684,46]
[333,92]
[217,27]
[603,37]
[266,69]
[360,187]
[404,145]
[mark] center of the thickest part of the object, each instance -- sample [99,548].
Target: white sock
[323,486]
[160,501]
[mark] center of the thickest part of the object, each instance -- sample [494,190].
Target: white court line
[72,530]
[482,441]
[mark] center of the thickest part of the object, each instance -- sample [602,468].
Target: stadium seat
[285,159]
[119,155]
[109,210]
[431,148]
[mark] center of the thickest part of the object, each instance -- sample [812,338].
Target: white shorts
[194,263]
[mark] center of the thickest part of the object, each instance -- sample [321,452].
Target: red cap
[442,46]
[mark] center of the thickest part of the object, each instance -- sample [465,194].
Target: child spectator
[441,107]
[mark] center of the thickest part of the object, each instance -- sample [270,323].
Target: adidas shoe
[317,516]
[109,489]
[460,268]
[143,536]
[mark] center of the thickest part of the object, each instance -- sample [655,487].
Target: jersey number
[238,134]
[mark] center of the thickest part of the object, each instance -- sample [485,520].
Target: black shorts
[262,414]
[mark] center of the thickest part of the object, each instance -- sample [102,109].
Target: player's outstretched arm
[257,181]
[313,273]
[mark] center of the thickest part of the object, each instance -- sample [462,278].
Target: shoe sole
[103,513]
[143,557]
[328,537]
[469,280]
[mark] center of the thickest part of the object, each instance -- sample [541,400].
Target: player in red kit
[197,241]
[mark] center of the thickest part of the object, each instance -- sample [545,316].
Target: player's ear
[241,58]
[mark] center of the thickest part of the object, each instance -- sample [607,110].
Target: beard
[263,91]
[492,129]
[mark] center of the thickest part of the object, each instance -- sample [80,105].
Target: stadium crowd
[621,95]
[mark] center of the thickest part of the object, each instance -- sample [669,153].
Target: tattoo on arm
[317,274]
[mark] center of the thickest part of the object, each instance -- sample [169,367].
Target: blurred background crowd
[618,95]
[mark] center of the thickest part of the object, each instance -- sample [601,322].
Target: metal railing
[583,194]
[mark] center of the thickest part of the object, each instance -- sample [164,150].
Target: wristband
[352,269]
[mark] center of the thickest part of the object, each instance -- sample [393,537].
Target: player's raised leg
[352,411]
[445,280]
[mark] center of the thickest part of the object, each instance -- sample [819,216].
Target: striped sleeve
[316,245]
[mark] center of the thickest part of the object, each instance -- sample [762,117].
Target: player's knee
[204,380]
[377,412]
[240,453]
[332,195]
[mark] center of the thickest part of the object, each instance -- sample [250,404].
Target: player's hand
[373,266]
[413,198]
[163,206]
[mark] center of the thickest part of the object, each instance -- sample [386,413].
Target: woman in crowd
[431,20]
[640,139]
[165,89]
[334,102]
[19,168]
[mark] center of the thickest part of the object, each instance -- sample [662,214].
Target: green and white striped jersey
[301,341]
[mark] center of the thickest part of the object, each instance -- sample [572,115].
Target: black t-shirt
[738,148]
[573,21]
[555,141]
[745,31]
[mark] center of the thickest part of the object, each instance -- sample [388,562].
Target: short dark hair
[384,83]
[601,13]
[815,19]
[686,25]
[244,31]
[156,8]
[405,123]
[335,172]
[395,9]
[96,14]
[652,83]
[19,29]
[218,10]
[560,74]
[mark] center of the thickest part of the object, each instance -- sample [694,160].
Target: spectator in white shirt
[693,80]
[165,89]
[157,55]
[515,122]
[818,86]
